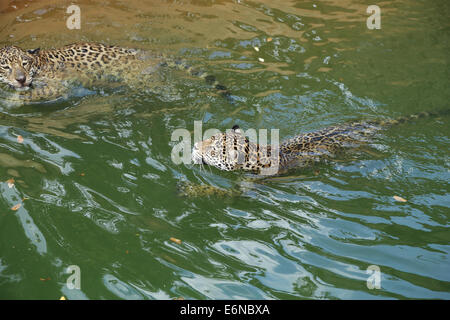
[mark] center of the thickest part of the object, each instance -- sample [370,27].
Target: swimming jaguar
[232,150]
[47,74]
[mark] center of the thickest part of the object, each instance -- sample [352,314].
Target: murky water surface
[98,188]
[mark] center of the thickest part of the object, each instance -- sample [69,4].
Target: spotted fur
[232,150]
[45,74]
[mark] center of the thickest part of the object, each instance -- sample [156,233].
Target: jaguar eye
[213,138]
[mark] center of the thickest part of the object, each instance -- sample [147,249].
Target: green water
[101,191]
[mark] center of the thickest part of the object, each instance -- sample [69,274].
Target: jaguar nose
[196,156]
[21,78]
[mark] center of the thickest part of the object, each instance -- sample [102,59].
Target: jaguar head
[231,151]
[221,150]
[17,67]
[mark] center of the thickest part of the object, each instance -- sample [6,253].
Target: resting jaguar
[232,150]
[47,74]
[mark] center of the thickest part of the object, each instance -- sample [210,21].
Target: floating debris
[62,298]
[16,207]
[10,183]
[269,39]
[177,241]
[400,199]
[261,59]
[256,49]
[19,139]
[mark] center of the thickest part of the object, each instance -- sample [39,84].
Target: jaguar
[47,74]
[233,150]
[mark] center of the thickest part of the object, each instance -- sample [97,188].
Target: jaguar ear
[34,51]
[236,128]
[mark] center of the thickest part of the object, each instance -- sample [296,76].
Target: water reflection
[102,189]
